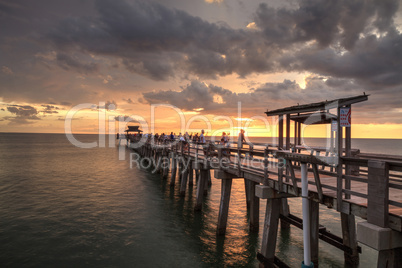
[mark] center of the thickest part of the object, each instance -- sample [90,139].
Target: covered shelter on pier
[318,113]
[337,113]
[133,129]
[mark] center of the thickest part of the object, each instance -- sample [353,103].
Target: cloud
[124,118]
[220,101]
[25,111]
[25,114]
[160,43]
[6,70]
[49,109]
[65,103]
[129,100]
[325,22]
[374,63]
[109,105]
[69,62]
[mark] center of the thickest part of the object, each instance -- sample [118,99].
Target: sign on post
[334,125]
[345,118]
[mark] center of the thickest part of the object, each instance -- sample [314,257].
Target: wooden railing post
[378,193]
[265,182]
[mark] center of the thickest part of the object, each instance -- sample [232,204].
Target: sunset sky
[200,61]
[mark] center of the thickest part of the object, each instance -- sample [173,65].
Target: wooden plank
[350,192]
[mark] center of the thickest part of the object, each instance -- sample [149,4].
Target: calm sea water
[63,206]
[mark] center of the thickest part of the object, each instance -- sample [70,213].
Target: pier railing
[362,180]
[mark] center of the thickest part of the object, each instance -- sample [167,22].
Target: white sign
[334,126]
[345,119]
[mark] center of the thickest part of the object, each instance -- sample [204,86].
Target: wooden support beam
[266,192]
[378,193]
[299,134]
[284,210]
[209,179]
[270,231]
[207,182]
[166,166]
[226,187]
[183,183]
[254,208]
[295,133]
[350,238]
[190,174]
[200,189]
[265,182]
[391,258]
[280,132]
[318,183]
[174,169]
[180,165]
[292,176]
[287,132]
[280,147]
[247,191]
[339,182]
[348,146]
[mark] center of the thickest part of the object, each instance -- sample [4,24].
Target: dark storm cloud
[68,62]
[217,99]
[156,41]
[374,61]
[325,21]
[159,42]
[49,109]
[23,113]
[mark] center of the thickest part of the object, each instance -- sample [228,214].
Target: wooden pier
[353,183]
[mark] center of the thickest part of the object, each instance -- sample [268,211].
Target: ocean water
[63,206]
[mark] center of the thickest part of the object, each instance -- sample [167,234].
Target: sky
[177,65]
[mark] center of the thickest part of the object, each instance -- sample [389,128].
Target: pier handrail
[358,184]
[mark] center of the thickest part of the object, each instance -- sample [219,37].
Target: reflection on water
[66,206]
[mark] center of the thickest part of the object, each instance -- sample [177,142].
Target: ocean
[64,206]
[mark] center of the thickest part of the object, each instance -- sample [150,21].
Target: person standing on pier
[202,137]
[241,139]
